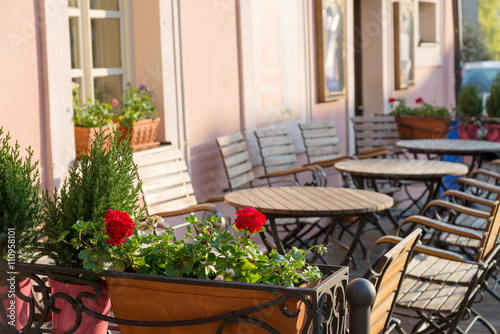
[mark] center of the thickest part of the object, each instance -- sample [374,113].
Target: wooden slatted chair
[279,157]
[441,285]
[374,131]
[387,278]
[166,185]
[323,147]
[381,130]
[240,175]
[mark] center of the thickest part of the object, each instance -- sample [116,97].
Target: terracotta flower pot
[65,320]
[85,136]
[493,132]
[21,308]
[142,134]
[467,131]
[162,301]
[416,127]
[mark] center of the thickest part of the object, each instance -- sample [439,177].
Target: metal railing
[325,304]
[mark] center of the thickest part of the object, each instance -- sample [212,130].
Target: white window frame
[430,54]
[87,73]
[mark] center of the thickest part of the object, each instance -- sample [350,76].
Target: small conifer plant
[104,179]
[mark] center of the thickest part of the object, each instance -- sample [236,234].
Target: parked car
[482,74]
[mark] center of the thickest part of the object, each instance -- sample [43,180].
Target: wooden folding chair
[442,285]
[387,278]
[240,175]
[166,185]
[279,157]
[371,132]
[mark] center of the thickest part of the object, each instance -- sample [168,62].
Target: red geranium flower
[391,100]
[118,227]
[249,219]
[419,100]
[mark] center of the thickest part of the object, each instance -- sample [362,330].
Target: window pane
[107,88]
[76,85]
[73,3]
[106,43]
[74,39]
[104,4]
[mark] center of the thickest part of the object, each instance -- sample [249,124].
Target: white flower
[230,272]
[219,278]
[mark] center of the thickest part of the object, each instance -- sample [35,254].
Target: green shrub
[19,199]
[493,101]
[104,179]
[469,101]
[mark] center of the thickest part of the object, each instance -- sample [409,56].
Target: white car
[482,74]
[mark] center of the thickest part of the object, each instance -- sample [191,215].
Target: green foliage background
[489,18]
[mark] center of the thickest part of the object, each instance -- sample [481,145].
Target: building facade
[216,67]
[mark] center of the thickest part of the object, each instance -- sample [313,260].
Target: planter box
[85,136]
[142,134]
[65,320]
[467,131]
[21,307]
[415,127]
[322,307]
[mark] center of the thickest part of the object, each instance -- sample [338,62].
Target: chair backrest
[276,149]
[236,160]
[374,131]
[388,276]
[166,184]
[491,233]
[321,141]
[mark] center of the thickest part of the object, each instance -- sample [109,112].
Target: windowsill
[428,54]
[428,44]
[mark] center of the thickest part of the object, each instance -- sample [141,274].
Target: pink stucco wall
[436,84]
[22,109]
[211,88]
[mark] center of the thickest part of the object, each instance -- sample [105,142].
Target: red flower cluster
[118,227]
[250,219]
[419,100]
[391,100]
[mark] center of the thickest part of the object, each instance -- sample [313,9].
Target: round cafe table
[474,148]
[430,172]
[297,202]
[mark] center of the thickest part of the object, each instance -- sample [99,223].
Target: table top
[449,146]
[309,201]
[402,169]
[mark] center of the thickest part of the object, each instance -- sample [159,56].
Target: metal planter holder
[326,306]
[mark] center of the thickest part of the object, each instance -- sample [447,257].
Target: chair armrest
[215,199]
[198,207]
[330,163]
[468,197]
[466,181]
[375,154]
[394,240]
[487,173]
[372,150]
[495,162]
[444,227]
[457,208]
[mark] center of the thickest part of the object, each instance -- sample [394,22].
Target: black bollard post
[360,295]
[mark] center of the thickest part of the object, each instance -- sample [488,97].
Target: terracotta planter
[162,301]
[493,132]
[21,308]
[415,127]
[84,137]
[467,131]
[65,320]
[142,134]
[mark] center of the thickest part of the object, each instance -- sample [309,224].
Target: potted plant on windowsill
[138,118]
[469,108]
[88,119]
[423,122]
[104,179]
[209,269]
[19,218]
